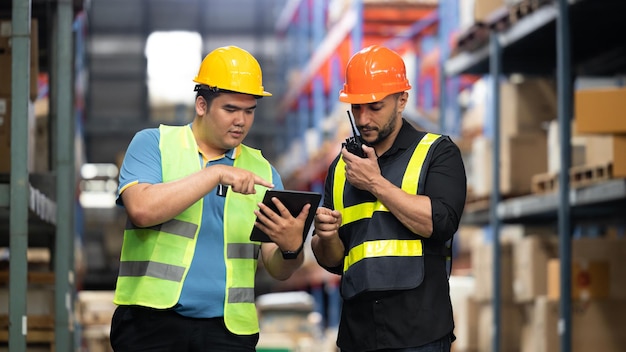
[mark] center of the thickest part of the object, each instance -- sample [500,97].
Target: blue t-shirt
[204,288]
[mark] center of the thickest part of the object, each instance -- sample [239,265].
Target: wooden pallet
[33,277]
[500,19]
[39,335]
[476,203]
[524,8]
[95,307]
[473,38]
[34,322]
[544,183]
[580,176]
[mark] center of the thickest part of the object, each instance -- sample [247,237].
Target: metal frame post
[62,83]
[443,56]
[357,31]
[495,70]
[564,94]
[18,228]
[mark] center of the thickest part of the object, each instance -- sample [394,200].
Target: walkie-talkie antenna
[354,144]
[355,132]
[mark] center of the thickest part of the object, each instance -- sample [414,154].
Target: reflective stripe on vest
[409,183]
[351,214]
[383,248]
[155,260]
[240,313]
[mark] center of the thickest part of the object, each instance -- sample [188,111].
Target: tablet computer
[294,201]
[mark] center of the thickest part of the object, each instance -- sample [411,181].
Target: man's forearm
[328,251]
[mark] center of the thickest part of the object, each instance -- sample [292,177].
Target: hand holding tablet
[294,201]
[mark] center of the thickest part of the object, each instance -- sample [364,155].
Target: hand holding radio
[354,144]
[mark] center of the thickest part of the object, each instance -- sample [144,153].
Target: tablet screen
[294,201]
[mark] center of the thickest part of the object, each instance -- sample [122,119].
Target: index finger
[263,182]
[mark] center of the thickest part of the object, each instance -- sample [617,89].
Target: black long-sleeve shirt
[409,318]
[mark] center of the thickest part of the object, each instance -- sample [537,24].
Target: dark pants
[135,329]
[442,345]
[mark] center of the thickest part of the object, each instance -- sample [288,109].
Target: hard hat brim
[263,93]
[363,98]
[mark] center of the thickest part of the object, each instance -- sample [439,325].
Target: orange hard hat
[234,69]
[372,74]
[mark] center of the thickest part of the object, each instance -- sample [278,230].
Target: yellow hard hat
[234,69]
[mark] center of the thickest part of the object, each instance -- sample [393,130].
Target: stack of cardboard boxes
[94,311]
[530,297]
[600,118]
[40,308]
[525,107]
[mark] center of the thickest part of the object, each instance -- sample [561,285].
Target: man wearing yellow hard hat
[388,215]
[192,194]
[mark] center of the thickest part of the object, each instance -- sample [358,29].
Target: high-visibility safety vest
[154,261]
[381,253]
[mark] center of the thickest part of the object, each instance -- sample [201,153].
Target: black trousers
[136,329]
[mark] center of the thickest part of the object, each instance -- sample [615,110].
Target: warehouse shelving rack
[37,209]
[317,42]
[565,38]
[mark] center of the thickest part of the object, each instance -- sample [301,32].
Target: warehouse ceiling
[118,99]
[119,102]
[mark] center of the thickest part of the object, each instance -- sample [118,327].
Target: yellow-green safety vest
[154,261]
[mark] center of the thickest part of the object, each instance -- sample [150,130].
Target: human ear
[201,106]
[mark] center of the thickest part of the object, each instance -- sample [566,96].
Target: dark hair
[208,95]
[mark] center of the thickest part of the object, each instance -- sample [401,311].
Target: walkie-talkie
[353,144]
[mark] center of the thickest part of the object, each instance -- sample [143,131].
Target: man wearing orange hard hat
[393,201]
[191,192]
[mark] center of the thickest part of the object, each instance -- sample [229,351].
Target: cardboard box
[530,259]
[610,250]
[6,58]
[601,149]
[597,325]
[590,279]
[96,338]
[578,148]
[521,157]
[484,8]
[482,269]
[511,322]
[39,300]
[526,106]
[597,265]
[600,110]
[465,310]
[95,307]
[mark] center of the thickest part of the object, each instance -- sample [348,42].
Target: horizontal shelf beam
[532,207]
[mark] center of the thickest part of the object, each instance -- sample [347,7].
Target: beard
[386,130]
